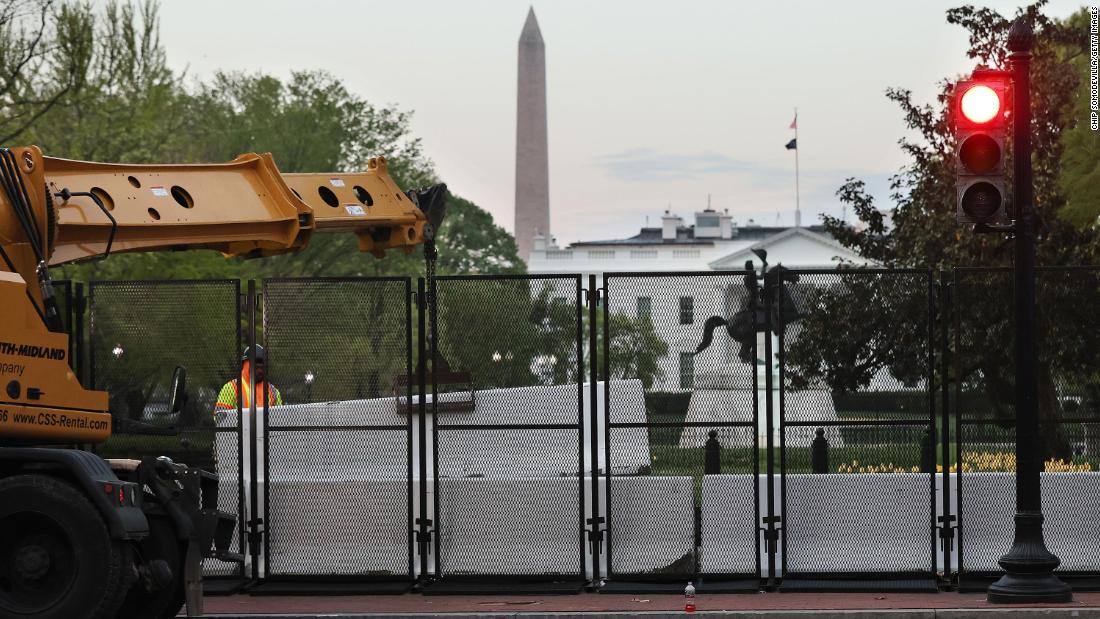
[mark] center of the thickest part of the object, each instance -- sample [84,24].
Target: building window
[645,307]
[643,254]
[559,255]
[687,310]
[685,253]
[687,370]
[601,254]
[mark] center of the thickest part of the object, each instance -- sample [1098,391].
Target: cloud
[644,164]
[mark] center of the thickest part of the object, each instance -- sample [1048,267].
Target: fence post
[819,452]
[927,452]
[712,458]
[595,532]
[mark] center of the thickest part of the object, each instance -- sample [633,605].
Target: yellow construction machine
[81,536]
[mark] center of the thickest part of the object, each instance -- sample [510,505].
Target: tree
[1080,176]
[311,123]
[634,349]
[921,231]
[471,242]
[45,54]
[126,104]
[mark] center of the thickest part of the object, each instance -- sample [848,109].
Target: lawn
[671,460]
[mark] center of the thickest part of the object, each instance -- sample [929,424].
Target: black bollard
[819,451]
[712,458]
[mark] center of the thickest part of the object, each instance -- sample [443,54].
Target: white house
[679,306]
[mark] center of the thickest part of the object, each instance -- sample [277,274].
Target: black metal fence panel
[680,437]
[857,429]
[510,475]
[1069,410]
[139,332]
[338,487]
[507,404]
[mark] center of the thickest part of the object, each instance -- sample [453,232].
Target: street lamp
[1029,565]
[309,385]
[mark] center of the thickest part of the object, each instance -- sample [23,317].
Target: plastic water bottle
[689,598]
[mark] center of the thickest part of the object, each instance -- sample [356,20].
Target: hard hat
[260,354]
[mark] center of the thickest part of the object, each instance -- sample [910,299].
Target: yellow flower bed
[856,467]
[1006,462]
[981,461]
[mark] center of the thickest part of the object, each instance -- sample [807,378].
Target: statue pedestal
[725,398]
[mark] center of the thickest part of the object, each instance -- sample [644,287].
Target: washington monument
[532,176]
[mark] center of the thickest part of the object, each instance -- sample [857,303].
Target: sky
[651,104]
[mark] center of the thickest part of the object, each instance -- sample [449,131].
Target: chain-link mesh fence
[338,491]
[858,427]
[506,385]
[140,332]
[856,435]
[1068,389]
[670,514]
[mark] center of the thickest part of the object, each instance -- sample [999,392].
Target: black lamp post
[1029,566]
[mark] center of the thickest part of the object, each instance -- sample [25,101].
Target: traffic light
[980,134]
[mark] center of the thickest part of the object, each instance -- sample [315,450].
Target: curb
[929,613]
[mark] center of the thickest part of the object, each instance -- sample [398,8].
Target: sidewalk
[619,606]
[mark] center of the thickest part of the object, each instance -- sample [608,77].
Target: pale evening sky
[650,103]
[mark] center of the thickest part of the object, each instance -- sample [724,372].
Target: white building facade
[679,306]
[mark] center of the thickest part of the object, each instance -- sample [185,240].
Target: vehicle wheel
[165,601]
[57,559]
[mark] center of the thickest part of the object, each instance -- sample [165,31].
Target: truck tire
[57,559]
[162,602]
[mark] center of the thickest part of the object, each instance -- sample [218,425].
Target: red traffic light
[980,104]
[980,131]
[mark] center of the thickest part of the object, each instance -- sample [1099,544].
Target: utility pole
[1029,565]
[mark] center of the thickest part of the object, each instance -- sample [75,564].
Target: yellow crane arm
[241,208]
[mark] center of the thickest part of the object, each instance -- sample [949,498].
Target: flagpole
[797,204]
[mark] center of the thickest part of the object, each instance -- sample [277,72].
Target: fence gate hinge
[595,534]
[771,533]
[947,531]
[591,298]
[255,532]
[424,535]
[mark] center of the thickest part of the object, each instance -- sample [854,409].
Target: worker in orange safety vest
[240,388]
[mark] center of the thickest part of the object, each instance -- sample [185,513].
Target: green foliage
[123,103]
[92,82]
[494,330]
[921,231]
[349,336]
[470,242]
[139,334]
[846,344]
[45,54]
[635,349]
[1080,175]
